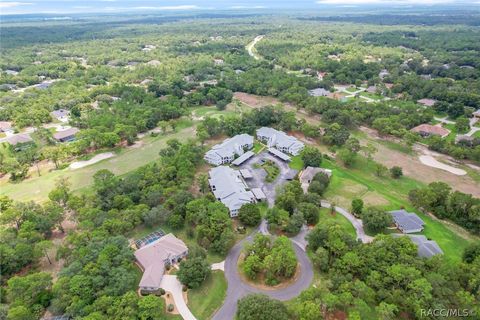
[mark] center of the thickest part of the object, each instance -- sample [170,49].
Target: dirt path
[251,47]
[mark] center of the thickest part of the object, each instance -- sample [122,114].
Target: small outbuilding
[246,174]
[259,194]
[279,154]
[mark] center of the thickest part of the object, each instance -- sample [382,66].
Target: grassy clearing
[326,215]
[129,159]
[296,163]
[204,301]
[397,146]
[371,95]
[272,171]
[360,181]
[258,147]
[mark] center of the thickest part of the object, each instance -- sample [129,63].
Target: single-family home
[218,62]
[407,222]
[426,130]
[66,135]
[319,92]
[20,141]
[155,257]
[61,115]
[229,148]
[425,248]
[280,141]
[321,75]
[383,74]
[476,114]
[6,126]
[307,174]
[229,188]
[427,102]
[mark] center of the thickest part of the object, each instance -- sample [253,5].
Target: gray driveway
[357,223]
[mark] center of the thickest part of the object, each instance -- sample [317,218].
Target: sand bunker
[95,159]
[432,162]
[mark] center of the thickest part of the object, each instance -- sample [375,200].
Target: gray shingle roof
[407,222]
[228,187]
[280,140]
[319,92]
[426,248]
[19,138]
[228,148]
[65,133]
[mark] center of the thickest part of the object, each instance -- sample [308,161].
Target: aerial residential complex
[226,151]
[280,140]
[228,187]
[155,257]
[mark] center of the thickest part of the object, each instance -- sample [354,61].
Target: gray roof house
[384,73]
[20,138]
[228,187]
[308,173]
[66,135]
[154,257]
[62,115]
[280,140]
[226,151]
[407,222]
[319,92]
[426,248]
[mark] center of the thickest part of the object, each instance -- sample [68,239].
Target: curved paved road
[237,288]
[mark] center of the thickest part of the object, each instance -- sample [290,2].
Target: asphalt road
[237,288]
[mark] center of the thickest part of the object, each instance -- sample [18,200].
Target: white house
[280,140]
[228,187]
[228,149]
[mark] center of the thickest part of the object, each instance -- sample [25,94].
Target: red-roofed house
[426,130]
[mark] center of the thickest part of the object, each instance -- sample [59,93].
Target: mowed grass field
[204,301]
[126,160]
[360,181]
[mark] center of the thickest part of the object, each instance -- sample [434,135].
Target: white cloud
[12,4]
[182,7]
[248,7]
[425,2]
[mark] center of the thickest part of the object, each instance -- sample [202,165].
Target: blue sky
[122,6]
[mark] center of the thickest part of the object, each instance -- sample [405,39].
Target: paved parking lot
[259,174]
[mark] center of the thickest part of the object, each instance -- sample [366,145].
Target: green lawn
[296,163]
[351,89]
[371,95]
[37,188]
[325,215]
[204,301]
[360,181]
[272,171]
[477,134]
[258,147]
